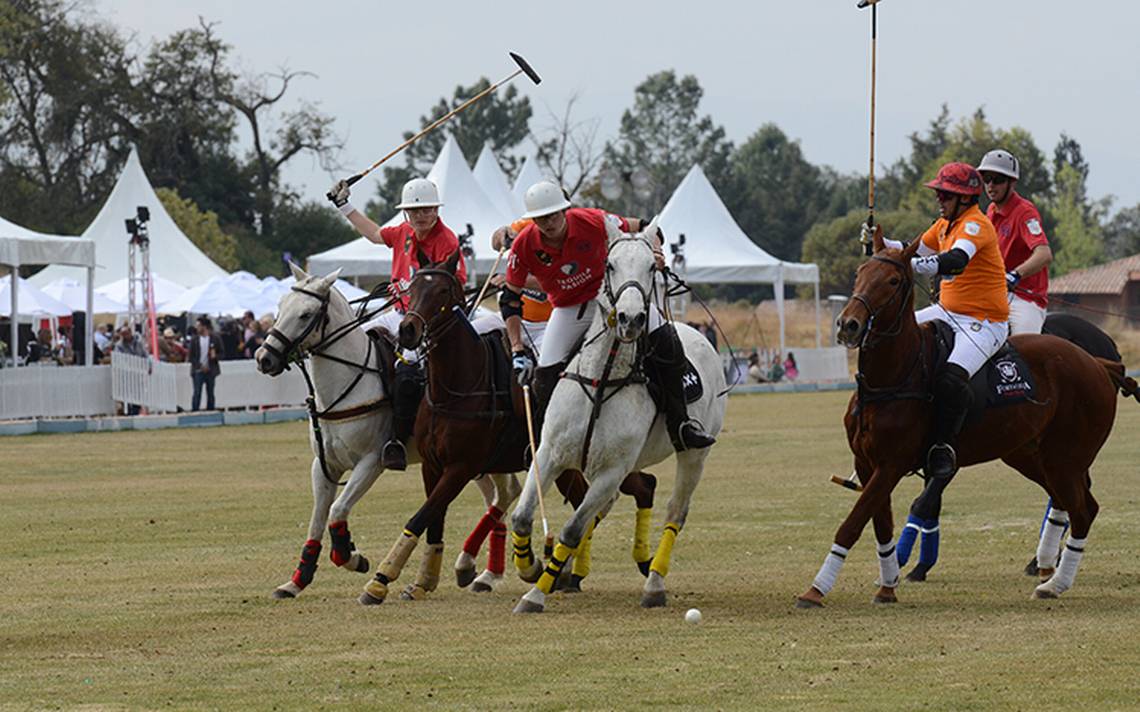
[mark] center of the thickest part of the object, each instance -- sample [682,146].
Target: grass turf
[140,566]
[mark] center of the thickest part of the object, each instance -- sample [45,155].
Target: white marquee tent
[493,181]
[464,202]
[718,252]
[528,175]
[171,252]
[74,295]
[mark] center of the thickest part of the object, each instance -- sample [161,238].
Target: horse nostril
[851,326]
[622,318]
[639,320]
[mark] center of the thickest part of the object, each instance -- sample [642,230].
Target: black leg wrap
[666,365]
[952,399]
[542,387]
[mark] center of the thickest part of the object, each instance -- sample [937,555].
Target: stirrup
[394,456]
[947,451]
[692,436]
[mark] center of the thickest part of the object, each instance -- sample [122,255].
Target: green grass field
[140,564]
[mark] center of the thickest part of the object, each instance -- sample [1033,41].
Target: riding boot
[666,365]
[952,400]
[406,395]
[542,387]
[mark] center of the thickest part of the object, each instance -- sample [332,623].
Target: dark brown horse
[1051,439]
[471,421]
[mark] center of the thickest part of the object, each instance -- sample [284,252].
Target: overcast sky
[1046,65]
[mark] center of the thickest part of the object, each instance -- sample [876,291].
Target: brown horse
[470,422]
[1051,439]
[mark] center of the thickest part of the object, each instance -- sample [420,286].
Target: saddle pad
[694,387]
[1005,379]
[501,373]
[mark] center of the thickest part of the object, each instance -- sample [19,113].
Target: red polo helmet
[960,178]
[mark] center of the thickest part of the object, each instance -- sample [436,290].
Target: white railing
[140,380]
[47,391]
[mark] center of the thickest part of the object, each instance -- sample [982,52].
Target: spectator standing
[205,347]
[128,344]
[169,347]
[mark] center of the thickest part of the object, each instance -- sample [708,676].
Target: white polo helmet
[544,198]
[999,161]
[419,193]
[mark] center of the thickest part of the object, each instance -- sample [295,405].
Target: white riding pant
[1025,317]
[568,324]
[533,333]
[484,321]
[974,341]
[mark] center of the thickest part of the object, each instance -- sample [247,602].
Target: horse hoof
[918,573]
[1031,568]
[464,577]
[413,592]
[367,599]
[480,587]
[574,585]
[806,603]
[362,565]
[525,606]
[653,599]
[282,593]
[1045,574]
[374,593]
[1044,593]
[881,599]
[532,574]
[643,567]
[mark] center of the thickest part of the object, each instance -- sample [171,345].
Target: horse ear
[651,230]
[422,258]
[911,249]
[878,238]
[298,274]
[452,262]
[613,232]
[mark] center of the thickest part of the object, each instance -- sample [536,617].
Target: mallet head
[525,66]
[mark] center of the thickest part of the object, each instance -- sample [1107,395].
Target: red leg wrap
[497,553]
[311,552]
[479,534]
[341,543]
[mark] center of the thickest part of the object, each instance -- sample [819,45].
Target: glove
[866,234]
[523,366]
[339,193]
[1011,280]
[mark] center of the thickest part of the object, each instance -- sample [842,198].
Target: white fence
[814,365]
[39,392]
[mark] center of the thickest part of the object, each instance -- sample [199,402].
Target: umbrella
[222,296]
[164,290]
[74,295]
[32,301]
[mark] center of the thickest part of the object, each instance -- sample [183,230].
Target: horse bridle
[612,296]
[289,345]
[906,284]
[436,325]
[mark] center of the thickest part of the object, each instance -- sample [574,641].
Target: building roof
[1109,278]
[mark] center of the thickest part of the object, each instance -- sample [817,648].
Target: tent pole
[818,336]
[89,321]
[780,310]
[14,344]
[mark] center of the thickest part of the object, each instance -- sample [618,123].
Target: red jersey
[1019,230]
[438,245]
[573,274]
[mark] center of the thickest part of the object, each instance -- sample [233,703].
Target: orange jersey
[980,290]
[536,307]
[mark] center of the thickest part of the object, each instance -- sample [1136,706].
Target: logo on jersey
[408,245]
[973,228]
[569,268]
[544,258]
[1033,226]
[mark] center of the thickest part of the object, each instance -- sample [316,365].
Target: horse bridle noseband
[906,284]
[612,296]
[442,321]
[289,345]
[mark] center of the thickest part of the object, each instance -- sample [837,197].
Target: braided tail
[1128,386]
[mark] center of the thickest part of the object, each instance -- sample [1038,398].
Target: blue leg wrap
[906,539]
[1048,509]
[928,552]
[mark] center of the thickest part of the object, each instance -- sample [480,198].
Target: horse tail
[1115,370]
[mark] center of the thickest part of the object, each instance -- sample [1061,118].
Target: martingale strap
[599,397]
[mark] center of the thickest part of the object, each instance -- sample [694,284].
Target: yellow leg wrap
[557,561]
[376,589]
[581,564]
[523,554]
[641,535]
[665,549]
[394,562]
[428,576]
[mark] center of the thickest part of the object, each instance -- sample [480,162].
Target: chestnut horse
[1051,439]
[471,422]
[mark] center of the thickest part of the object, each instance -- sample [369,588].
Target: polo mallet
[548,548]
[483,291]
[851,482]
[868,248]
[523,68]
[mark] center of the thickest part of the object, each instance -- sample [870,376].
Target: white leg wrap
[825,579]
[1049,547]
[1070,562]
[888,565]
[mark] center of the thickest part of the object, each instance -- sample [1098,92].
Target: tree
[1122,234]
[1077,240]
[776,193]
[663,134]
[834,245]
[201,227]
[501,118]
[569,148]
[305,228]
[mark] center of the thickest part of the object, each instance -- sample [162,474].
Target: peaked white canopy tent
[20,246]
[464,202]
[529,174]
[74,296]
[490,177]
[718,252]
[171,252]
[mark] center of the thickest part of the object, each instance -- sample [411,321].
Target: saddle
[694,387]
[1004,380]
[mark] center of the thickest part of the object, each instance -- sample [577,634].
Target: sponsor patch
[543,257]
[973,228]
[569,268]
[1033,226]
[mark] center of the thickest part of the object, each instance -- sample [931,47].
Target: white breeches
[533,333]
[484,321]
[568,324]
[974,341]
[1025,317]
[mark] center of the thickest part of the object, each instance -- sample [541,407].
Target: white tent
[20,246]
[74,295]
[493,181]
[464,202]
[164,290]
[528,175]
[171,252]
[717,251]
[34,302]
[222,295]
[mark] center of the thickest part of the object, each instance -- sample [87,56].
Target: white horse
[627,436]
[314,318]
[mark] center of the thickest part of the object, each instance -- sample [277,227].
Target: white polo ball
[693,615]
